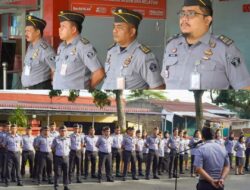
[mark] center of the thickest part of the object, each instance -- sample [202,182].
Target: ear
[133,31]
[209,20]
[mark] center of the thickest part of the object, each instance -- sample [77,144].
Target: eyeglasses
[189,14]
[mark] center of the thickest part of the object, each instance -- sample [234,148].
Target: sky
[182,95]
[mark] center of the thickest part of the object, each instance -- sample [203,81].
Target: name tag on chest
[63,69]
[27,70]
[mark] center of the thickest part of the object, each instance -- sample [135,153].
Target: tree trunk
[120,109]
[198,108]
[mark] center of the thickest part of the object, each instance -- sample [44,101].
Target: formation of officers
[193,59]
[71,154]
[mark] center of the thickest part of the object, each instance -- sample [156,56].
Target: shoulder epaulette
[84,41]
[113,45]
[173,37]
[225,40]
[44,45]
[145,49]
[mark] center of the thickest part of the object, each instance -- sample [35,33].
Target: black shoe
[50,182]
[170,176]
[38,183]
[6,184]
[124,179]
[19,184]
[110,180]
[55,188]
[78,181]
[159,173]
[135,178]
[147,177]
[175,176]
[156,177]
[182,172]
[44,180]
[141,174]
[66,188]
[85,177]
[99,180]
[13,180]
[93,176]
[118,175]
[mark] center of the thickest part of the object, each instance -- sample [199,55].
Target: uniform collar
[210,141]
[130,48]
[37,44]
[206,38]
[74,41]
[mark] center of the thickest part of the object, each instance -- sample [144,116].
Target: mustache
[185,23]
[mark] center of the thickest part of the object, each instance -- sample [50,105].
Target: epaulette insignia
[113,45]
[44,45]
[84,41]
[227,41]
[173,37]
[145,49]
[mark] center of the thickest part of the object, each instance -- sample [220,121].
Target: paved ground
[184,183]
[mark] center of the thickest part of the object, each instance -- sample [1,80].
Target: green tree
[19,117]
[238,101]
[147,94]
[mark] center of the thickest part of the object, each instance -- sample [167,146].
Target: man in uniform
[129,64]
[211,162]
[61,148]
[46,158]
[139,151]
[104,144]
[153,143]
[28,152]
[53,132]
[90,153]
[75,153]
[77,65]
[39,62]
[116,150]
[197,59]
[13,144]
[128,145]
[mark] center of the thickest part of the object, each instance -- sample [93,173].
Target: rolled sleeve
[198,160]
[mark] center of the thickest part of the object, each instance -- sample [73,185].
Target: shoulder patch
[173,37]
[225,40]
[113,45]
[44,45]
[84,41]
[145,49]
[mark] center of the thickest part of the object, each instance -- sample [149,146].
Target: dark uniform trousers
[247,152]
[82,161]
[61,166]
[161,165]
[43,85]
[90,156]
[230,156]
[74,160]
[27,156]
[45,159]
[166,161]
[192,164]
[173,163]
[139,157]
[2,163]
[204,185]
[13,161]
[129,156]
[105,159]
[181,158]
[153,156]
[116,157]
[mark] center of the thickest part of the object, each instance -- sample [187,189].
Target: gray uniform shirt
[104,144]
[129,143]
[13,143]
[74,64]
[90,143]
[28,143]
[117,141]
[136,64]
[153,142]
[61,145]
[44,143]
[218,61]
[76,141]
[212,157]
[39,59]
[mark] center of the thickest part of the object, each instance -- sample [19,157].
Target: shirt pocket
[73,64]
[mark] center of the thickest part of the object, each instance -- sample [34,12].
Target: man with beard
[197,59]
[39,61]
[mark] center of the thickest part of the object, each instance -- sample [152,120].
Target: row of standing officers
[194,59]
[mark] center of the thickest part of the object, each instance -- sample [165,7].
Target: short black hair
[195,132]
[207,133]
[78,27]
[138,131]
[175,129]
[240,138]
[105,128]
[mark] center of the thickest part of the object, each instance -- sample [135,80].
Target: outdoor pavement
[233,182]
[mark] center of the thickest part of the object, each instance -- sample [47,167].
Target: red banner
[153,9]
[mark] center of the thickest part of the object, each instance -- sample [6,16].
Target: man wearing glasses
[197,59]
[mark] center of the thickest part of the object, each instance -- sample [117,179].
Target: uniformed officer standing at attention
[75,153]
[116,150]
[129,64]
[39,62]
[61,148]
[53,132]
[153,142]
[77,65]
[90,153]
[197,59]
[128,145]
[139,151]
[46,158]
[13,144]
[104,144]
[211,162]
[28,151]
